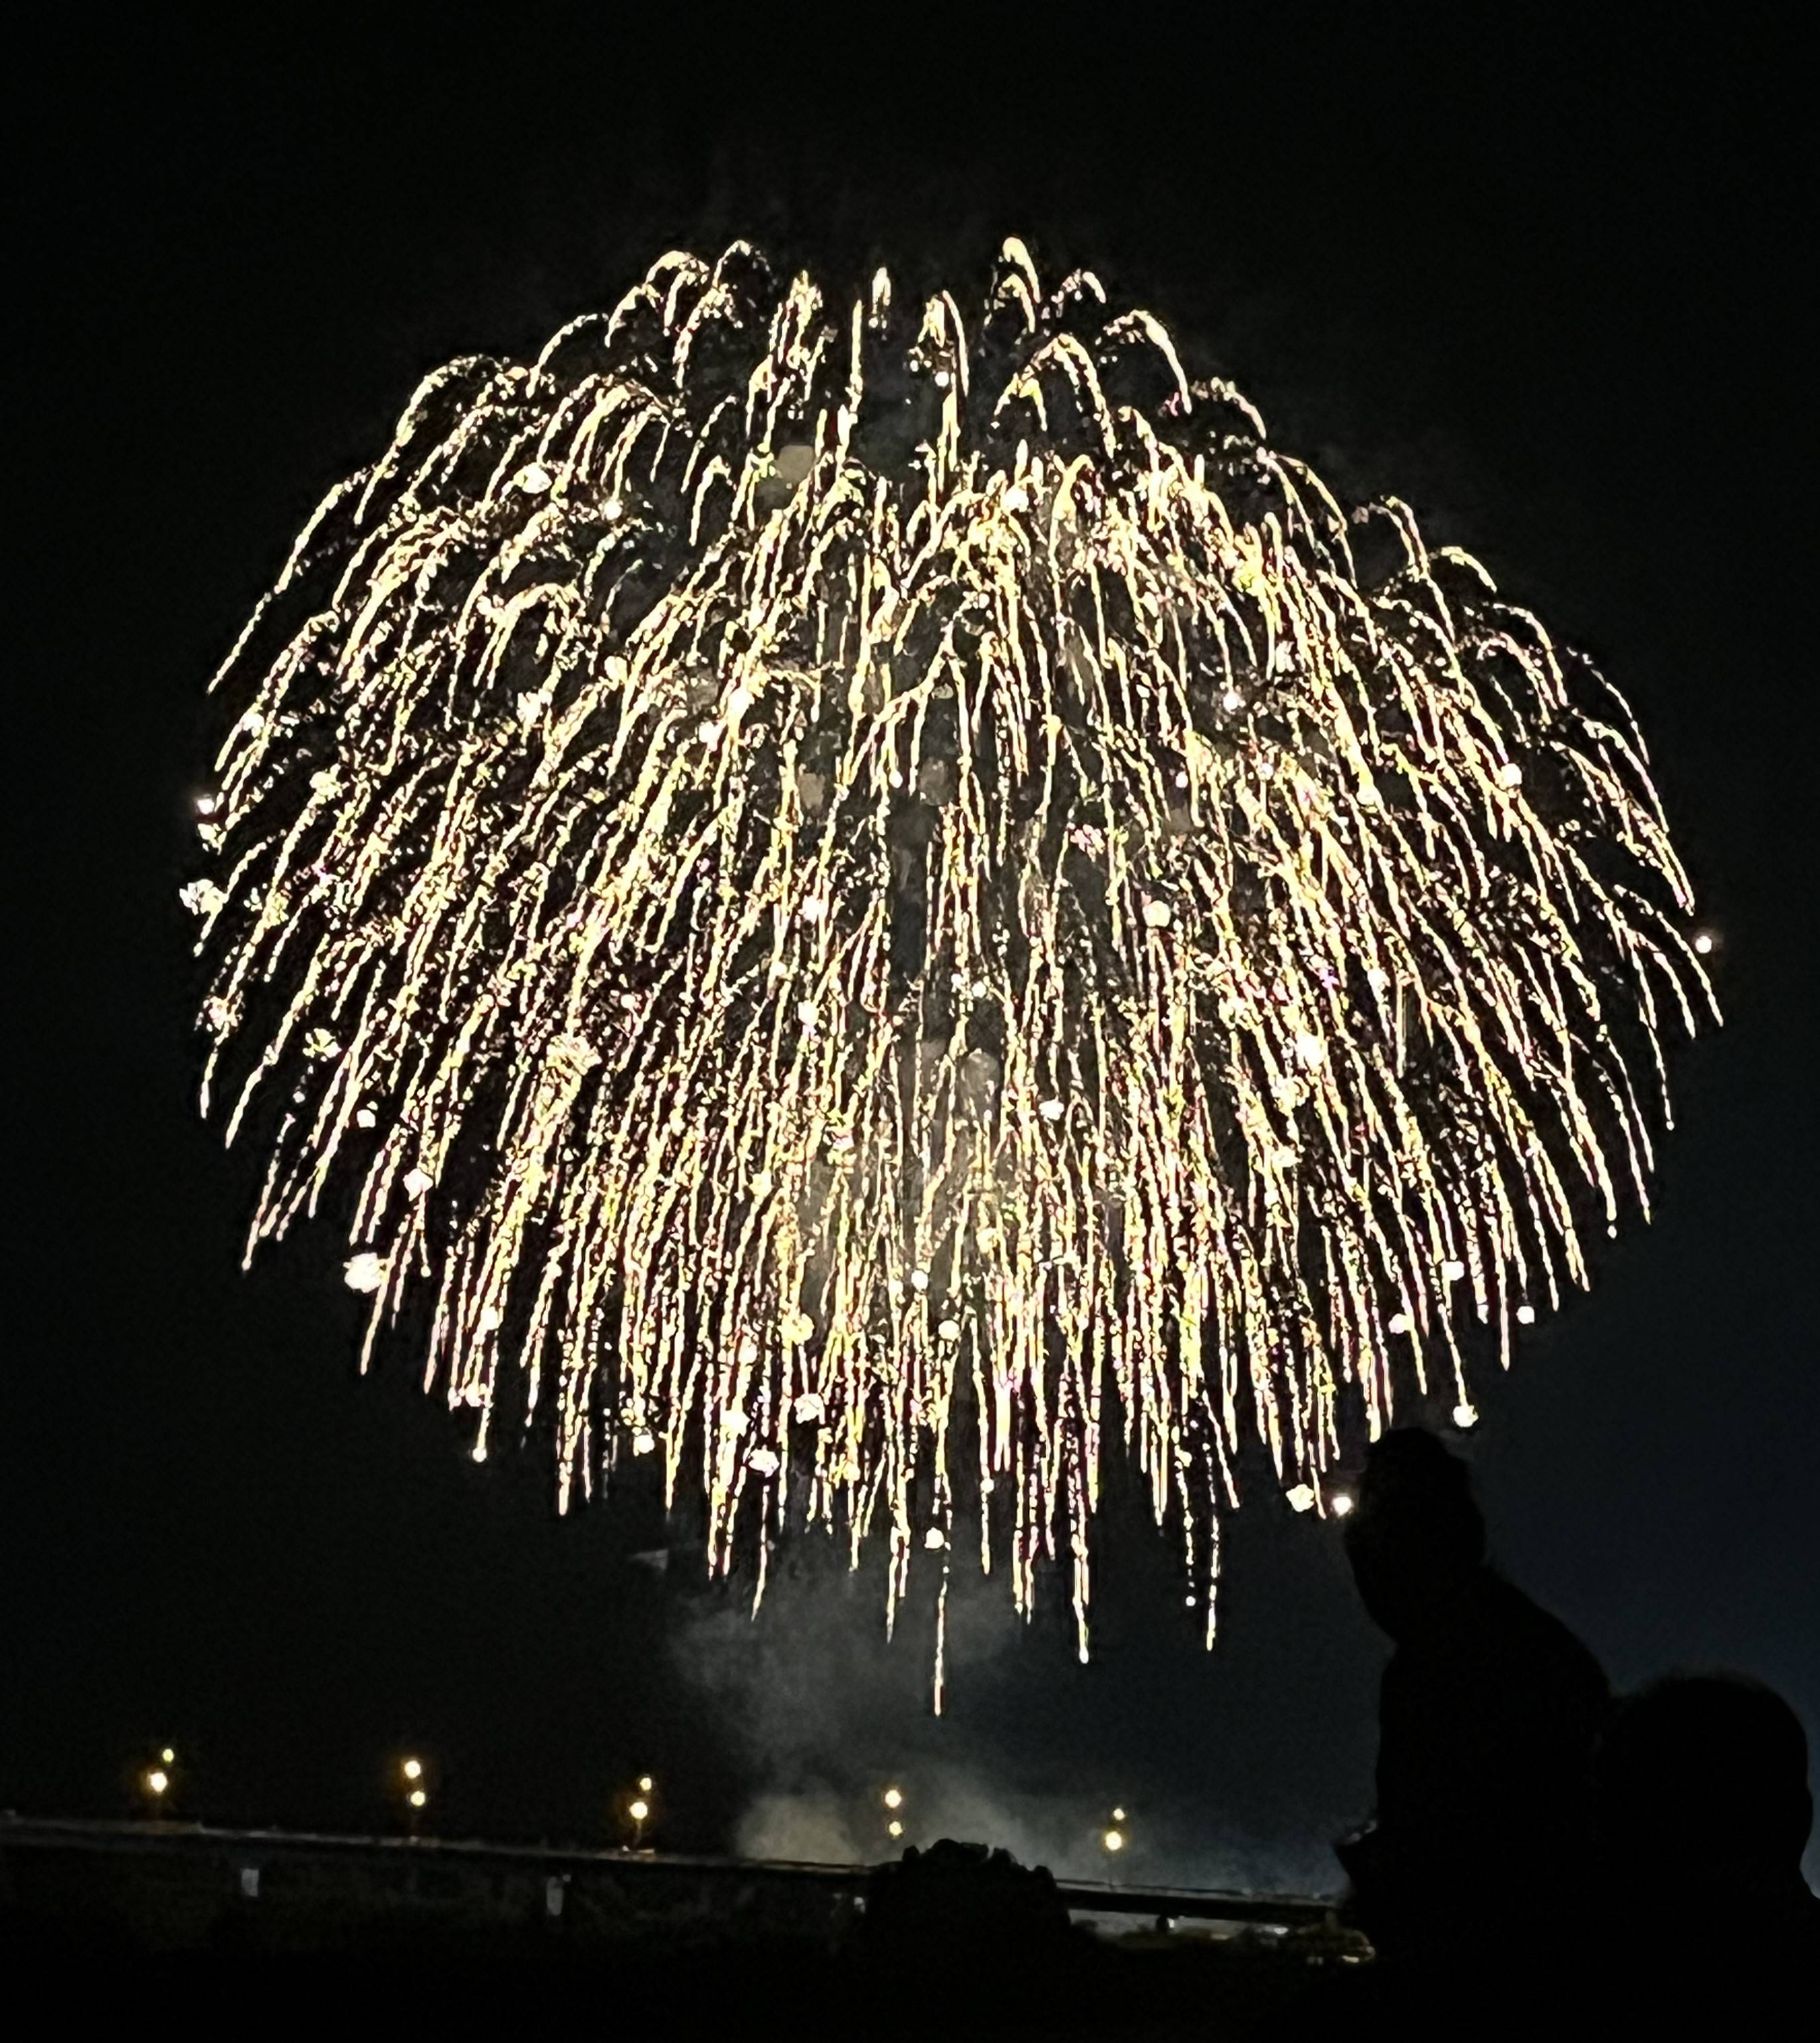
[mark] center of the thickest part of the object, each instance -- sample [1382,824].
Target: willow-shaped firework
[845,888]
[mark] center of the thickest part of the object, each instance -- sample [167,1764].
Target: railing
[246,1849]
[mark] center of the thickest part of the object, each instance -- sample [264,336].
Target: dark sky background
[1547,275]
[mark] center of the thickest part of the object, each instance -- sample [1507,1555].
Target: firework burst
[867,904]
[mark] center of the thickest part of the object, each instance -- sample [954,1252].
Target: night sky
[1546,277]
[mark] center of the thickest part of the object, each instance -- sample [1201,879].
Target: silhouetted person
[1704,1811]
[1490,1713]
[988,1938]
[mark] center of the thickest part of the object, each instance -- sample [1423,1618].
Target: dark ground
[227,1926]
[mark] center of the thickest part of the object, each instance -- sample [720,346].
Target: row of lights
[636,1806]
[1112,1839]
[156,1783]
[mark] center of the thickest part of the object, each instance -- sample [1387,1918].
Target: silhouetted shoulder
[1536,1647]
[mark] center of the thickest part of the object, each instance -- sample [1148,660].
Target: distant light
[167,1755]
[417,1798]
[893,1798]
[1703,942]
[1114,1841]
[1509,776]
[1051,1109]
[1301,1498]
[941,379]
[205,805]
[1156,914]
[1526,1316]
[1465,1416]
[158,1781]
[895,1829]
[1340,1503]
[641,1809]
[645,1784]
[949,1330]
[1399,1323]
[1118,1815]
[413,1769]
[1231,700]
[534,478]
[1452,1270]
[614,509]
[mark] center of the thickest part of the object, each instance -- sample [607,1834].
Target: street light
[415,1783]
[893,1798]
[638,1809]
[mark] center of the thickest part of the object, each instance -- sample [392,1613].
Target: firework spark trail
[878,905]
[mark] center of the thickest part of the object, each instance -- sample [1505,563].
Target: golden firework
[841,888]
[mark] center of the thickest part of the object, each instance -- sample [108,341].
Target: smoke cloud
[826,1716]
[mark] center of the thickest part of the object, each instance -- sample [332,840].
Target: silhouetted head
[1416,1537]
[1705,1776]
